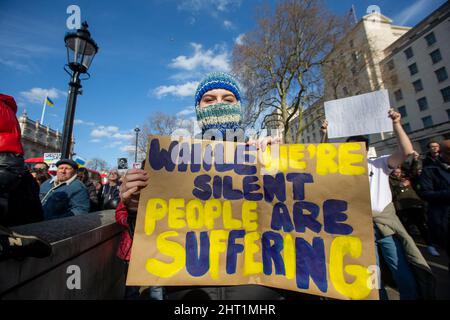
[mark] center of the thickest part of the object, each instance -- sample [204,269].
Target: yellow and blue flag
[49,102]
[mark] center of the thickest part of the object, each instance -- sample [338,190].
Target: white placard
[358,115]
[50,158]
[137,165]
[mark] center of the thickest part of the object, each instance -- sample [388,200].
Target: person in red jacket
[11,152]
[19,193]
[124,253]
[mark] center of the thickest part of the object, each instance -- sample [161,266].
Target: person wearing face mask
[218,109]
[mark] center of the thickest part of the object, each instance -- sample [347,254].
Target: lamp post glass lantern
[81,49]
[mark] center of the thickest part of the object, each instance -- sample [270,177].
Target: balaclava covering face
[219,116]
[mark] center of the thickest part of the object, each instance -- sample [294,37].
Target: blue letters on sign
[333,214]
[202,188]
[281,218]
[298,183]
[233,249]
[161,158]
[197,264]
[310,262]
[274,186]
[303,221]
[272,252]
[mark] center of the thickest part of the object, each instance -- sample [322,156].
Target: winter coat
[69,198]
[9,126]
[126,240]
[434,187]
[404,197]
[92,196]
[428,160]
[110,197]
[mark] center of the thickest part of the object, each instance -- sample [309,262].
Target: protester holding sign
[218,109]
[410,271]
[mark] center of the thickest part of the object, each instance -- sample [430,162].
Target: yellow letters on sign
[217,246]
[348,160]
[340,247]
[155,210]
[171,249]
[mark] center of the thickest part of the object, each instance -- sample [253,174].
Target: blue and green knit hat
[221,116]
[217,80]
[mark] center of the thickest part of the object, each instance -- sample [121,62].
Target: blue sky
[151,55]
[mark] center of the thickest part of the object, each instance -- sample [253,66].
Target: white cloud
[182,90]
[412,11]
[104,131]
[239,39]
[228,24]
[186,111]
[37,95]
[128,148]
[216,59]
[212,6]
[113,144]
[95,140]
[82,122]
[123,136]
[15,65]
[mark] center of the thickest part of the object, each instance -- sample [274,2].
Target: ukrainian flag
[49,102]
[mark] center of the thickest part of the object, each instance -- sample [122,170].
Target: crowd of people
[408,193]
[30,195]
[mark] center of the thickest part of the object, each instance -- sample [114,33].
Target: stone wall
[88,242]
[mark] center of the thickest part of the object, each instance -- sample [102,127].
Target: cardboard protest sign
[295,217]
[358,115]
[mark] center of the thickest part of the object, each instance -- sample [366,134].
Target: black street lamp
[137,130]
[81,49]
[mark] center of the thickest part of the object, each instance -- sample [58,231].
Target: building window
[446,94]
[308,139]
[418,85]
[353,70]
[413,69]
[423,104]
[407,127]
[391,64]
[394,79]
[448,114]
[314,137]
[436,56]
[427,121]
[441,74]
[431,39]
[398,95]
[402,111]
[355,56]
[352,44]
[409,53]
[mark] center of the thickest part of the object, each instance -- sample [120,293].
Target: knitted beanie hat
[217,80]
